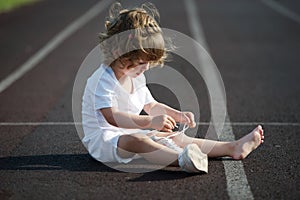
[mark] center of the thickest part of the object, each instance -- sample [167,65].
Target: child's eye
[130,66]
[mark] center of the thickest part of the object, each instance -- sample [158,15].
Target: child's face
[135,68]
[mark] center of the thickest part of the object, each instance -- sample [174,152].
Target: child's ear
[128,63]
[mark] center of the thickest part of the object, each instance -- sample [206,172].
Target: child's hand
[188,118]
[163,123]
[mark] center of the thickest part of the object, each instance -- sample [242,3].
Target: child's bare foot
[248,143]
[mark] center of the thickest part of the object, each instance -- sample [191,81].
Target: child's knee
[132,139]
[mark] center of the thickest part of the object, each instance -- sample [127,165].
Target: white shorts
[103,145]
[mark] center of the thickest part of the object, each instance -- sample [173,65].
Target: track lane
[40,22]
[51,173]
[34,94]
[256,50]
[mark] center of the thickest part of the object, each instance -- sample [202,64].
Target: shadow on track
[70,162]
[84,163]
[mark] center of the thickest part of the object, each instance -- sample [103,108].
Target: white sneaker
[192,159]
[168,142]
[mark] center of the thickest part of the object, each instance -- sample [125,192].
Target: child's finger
[173,122]
[187,118]
[168,125]
[193,124]
[166,129]
[190,118]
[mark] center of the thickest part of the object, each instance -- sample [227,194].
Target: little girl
[116,93]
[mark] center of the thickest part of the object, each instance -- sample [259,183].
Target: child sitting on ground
[116,93]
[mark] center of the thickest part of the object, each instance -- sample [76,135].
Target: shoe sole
[199,159]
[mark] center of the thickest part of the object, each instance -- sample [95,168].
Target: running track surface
[256,49]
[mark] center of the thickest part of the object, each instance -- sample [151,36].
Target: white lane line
[53,43]
[282,10]
[255,123]
[195,24]
[39,123]
[198,123]
[237,183]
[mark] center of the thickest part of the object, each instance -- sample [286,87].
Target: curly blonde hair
[133,34]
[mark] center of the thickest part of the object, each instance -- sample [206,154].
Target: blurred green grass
[8,5]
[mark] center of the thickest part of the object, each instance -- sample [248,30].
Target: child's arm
[156,108]
[131,121]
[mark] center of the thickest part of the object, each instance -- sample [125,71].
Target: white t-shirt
[103,90]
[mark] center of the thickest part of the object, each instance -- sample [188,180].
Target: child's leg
[128,145]
[238,149]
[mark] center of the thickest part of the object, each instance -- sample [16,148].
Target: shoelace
[167,141]
[185,127]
